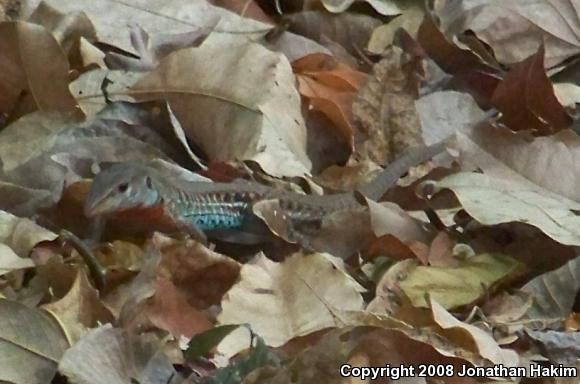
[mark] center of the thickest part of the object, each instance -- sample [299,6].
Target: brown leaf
[544,163]
[203,276]
[470,72]
[441,251]
[151,52]
[351,30]
[385,110]
[34,73]
[21,234]
[527,101]
[169,309]
[330,87]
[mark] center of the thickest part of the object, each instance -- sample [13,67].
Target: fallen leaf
[202,275]
[444,113]
[108,355]
[383,36]
[21,234]
[151,52]
[526,98]
[542,289]
[30,345]
[351,30]
[330,87]
[242,92]
[284,300]
[66,28]
[79,310]
[384,7]
[385,109]
[492,201]
[542,164]
[9,261]
[34,72]
[169,309]
[469,70]
[441,251]
[461,285]
[514,30]
[470,336]
[561,347]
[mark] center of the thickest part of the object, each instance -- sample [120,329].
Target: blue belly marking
[215,221]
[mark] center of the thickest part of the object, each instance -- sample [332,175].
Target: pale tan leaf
[384,7]
[492,201]
[21,234]
[389,218]
[79,310]
[466,334]
[9,261]
[162,18]
[236,101]
[553,293]
[383,36]
[68,29]
[284,300]
[108,355]
[515,29]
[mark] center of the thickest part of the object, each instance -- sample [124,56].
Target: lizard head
[122,187]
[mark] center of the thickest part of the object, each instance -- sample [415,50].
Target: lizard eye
[123,187]
[148,183]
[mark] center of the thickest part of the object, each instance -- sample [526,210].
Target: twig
[96,270]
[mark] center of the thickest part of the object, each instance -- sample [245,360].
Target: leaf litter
[469,262]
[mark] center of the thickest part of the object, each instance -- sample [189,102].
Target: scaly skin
[197,207]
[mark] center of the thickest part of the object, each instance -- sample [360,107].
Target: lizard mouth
[97,208]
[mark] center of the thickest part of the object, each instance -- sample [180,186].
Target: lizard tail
[388,177]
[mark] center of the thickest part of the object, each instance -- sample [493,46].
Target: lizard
[199,207]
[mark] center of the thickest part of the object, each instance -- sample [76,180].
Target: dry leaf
[30,345]
[79,310]
[515,29]
[492,201]
[462,285]
[384,35]
[384,7]
[108,355]
[284,300]
[21,234]
[526,98]
[236,101]
[351,30]
[34,72]
[470,336]
[386,111]
[330,87]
